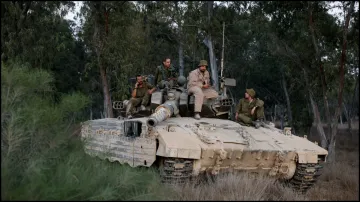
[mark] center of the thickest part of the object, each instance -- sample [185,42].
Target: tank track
[175,170]
[305,176]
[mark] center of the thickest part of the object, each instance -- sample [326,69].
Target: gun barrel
[161,113]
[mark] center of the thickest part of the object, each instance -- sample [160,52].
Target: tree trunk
[287,97]
[347,115]
[319,63]
[209,44]
[181,49]
[181,58]
[334,125]
[274,114]
[341,121]
[350,114]
[98,40]
[107,98]
[316,113]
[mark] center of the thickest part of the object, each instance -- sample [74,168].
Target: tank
[183,148]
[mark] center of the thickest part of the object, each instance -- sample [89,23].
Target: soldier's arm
[176,72]
[259,103]
[156,76]
[193,80]
[207,78]
[133,94]
[151,87]
[238,107]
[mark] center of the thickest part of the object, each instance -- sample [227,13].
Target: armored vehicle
[183,147]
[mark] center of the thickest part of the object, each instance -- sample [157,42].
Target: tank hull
[211,145]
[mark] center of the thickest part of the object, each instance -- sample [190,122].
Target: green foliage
[41,161]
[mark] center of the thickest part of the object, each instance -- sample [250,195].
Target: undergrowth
[42,161]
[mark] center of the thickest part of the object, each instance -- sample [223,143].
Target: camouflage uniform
[163,73]
[196,80]
[244,110]
[142,97]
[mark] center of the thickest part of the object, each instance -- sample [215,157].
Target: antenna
[222,54]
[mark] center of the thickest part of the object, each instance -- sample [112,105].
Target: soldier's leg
[244,119]
[199,97]
[133,102]
[259,113]
[210,93]
[145,100]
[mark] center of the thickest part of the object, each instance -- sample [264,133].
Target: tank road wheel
[175,170]
[306,174]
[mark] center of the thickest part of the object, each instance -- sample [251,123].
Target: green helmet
[181,80]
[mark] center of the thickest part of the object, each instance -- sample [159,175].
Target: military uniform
[245,106]
[196,80]
[163,73]
[142,97]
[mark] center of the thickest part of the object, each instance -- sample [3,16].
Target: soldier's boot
[197,116]
[262,122]
[142,108]
[256,124]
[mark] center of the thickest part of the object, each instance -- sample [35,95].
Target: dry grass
[237,186]
[339,181]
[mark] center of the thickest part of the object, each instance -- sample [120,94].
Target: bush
[40,158]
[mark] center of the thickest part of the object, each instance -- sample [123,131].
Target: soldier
[250,109]
[199,85]
[140,95]
[165,71]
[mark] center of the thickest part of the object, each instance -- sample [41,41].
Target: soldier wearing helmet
[250,110]
[199,85]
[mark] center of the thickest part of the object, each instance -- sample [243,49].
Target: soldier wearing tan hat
[250,110]
[199,85]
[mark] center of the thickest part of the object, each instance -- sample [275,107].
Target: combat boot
[256,124]
[262,122]
[142,108]
[197,116]
[259,122]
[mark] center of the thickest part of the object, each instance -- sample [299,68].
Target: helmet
[181,80]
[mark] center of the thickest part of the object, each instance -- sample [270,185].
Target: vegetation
[301,60]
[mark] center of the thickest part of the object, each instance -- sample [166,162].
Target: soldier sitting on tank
[250,110]
[165,72]
[199,85]
[140,95]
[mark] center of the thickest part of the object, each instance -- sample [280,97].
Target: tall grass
[41,160]
[236,187]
